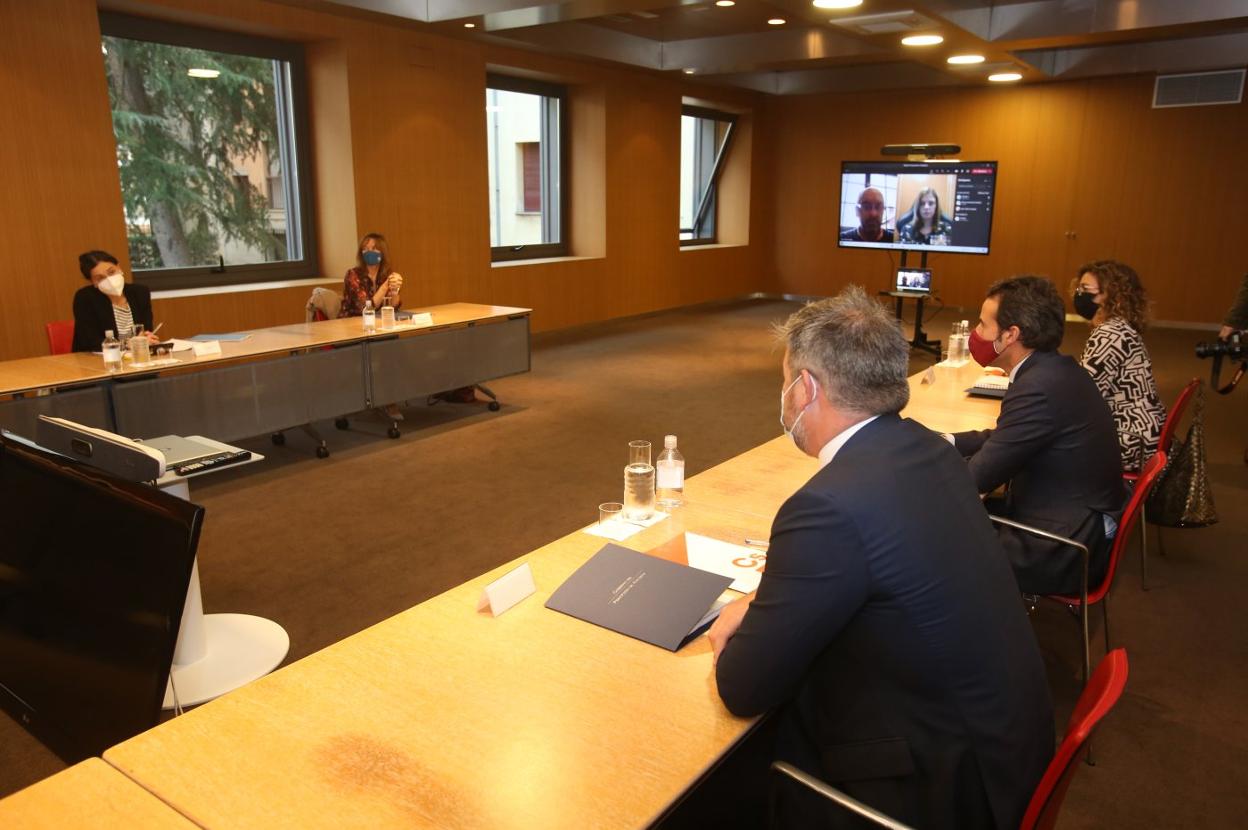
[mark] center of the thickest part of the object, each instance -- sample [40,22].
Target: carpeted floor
[327,547]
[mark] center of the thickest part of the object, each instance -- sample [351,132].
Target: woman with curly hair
[1109,293]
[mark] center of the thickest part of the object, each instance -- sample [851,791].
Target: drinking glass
[638,452]
[140,347]
[387,317]
[609,511]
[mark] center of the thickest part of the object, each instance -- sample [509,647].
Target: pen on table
[757,543]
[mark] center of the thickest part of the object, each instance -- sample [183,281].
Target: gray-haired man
[887,624]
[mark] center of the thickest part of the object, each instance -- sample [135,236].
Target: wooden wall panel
[399,147]
[1155,188]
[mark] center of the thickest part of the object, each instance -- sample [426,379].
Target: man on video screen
[870,219]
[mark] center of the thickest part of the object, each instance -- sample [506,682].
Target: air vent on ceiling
[1199,89]
[888,23]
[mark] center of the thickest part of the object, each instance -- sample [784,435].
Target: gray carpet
[327,547]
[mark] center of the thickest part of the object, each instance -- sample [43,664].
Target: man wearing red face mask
[1055,442]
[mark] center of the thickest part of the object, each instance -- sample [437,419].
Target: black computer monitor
[93,576]
[881,202]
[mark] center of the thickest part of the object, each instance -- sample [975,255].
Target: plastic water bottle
[370,317]
[112,352]
[670,474]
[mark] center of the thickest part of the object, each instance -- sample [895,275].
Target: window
[212,152]
[525,129]
[705,136]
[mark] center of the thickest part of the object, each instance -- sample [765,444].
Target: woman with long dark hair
[372,279]
[109,303]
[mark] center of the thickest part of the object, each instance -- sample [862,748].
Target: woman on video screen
[927,225]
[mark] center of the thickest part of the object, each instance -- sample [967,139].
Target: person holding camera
[1237,317]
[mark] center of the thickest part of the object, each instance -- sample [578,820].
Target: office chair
[1096,701]
[60,336]
[1099,594]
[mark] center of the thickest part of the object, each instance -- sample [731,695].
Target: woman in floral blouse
[371,279]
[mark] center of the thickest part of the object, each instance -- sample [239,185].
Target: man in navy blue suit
[887,628]
[1055,442]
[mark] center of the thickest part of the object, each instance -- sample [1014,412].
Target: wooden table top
[444,716]
[88,795]
[82,368]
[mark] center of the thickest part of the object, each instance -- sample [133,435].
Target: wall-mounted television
[936,206]
[93,576]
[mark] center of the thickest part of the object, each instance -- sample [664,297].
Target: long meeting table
[443,716]
[276,378]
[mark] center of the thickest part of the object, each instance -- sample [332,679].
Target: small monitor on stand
[913,280]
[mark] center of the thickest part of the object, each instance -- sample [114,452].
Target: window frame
[512,253]
[706,204]
[294,138]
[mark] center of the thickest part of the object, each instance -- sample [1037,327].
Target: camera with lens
[1232,347]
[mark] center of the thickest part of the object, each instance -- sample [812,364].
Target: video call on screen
[926,205]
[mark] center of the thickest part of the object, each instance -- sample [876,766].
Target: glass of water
[638,452]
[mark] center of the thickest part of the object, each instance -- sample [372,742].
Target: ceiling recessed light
[470,25]
[203,73]
[1004,77]
[964,59]
[688,71]
[922,40]
[777,21]
[836,4]
[725,3]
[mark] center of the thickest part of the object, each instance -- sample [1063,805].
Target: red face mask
[984,351]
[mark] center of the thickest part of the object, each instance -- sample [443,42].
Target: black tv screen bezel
[917,166]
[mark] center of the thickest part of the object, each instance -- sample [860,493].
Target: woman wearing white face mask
[108,303]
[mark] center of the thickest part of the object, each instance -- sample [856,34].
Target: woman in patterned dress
[1109,293]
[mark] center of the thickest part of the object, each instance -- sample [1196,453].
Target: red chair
[60,336]
[1096,701]
[1099,594]
[1163,445]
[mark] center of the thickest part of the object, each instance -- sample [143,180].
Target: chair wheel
[341,423]
[495,406]
[278,439]
[393,432]
[322,452]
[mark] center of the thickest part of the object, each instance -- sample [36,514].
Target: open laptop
[913,280]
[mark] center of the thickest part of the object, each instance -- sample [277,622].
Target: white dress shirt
[831,448]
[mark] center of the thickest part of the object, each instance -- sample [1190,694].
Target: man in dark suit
[887,625]
[1055,442]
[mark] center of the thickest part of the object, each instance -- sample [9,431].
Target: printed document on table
[744,566]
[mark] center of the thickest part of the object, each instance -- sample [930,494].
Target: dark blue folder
[642,596]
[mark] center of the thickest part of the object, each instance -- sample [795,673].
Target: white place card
[206,348]
[744,566]
[420,320]
[507,590]
[929,375]
[617,530]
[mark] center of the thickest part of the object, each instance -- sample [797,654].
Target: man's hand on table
[727,623]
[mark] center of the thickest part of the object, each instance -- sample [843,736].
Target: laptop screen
[914,280]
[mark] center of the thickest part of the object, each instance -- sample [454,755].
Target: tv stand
[919,340]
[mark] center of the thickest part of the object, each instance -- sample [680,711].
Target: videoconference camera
[920,149]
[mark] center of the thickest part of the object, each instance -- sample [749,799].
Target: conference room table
[90,794]
[273,379]
[445,716]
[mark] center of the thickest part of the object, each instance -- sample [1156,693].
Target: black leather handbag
[1182,496]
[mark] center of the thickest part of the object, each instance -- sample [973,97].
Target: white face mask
[791,431]
[113,284]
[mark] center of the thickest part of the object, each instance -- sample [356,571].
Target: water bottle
[670,475]
[370,317]
[112,352]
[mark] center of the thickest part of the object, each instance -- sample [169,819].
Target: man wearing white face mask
[886,628]
[109,303]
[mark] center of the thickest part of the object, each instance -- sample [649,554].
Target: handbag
[1181,496]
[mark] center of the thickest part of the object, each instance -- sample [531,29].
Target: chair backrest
[1176,414]
[1098,698]
[60,336]
[1148,477]
[324,304]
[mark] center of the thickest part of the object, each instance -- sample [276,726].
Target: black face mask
[1085,305]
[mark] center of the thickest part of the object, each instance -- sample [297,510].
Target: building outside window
[525,129]
[211,149]
[705,137]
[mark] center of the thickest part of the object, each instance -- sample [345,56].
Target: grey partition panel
[84,406]
[235,402]
[418,365]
